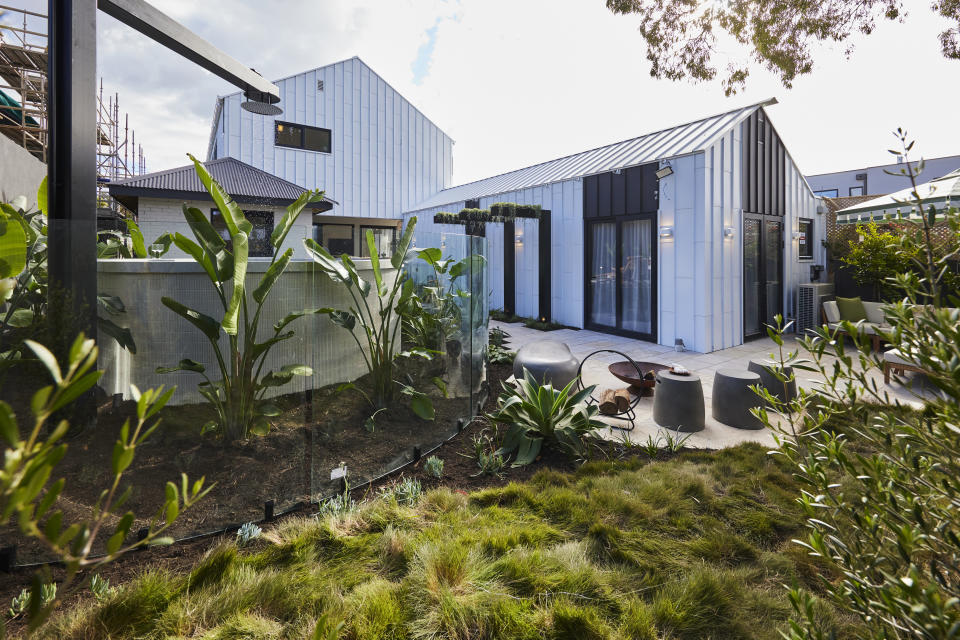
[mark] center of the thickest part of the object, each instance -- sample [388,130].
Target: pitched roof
[244,183]
[667,143]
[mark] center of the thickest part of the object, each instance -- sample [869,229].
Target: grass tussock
[694,547]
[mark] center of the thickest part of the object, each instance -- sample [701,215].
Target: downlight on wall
[666,232]
[728,232]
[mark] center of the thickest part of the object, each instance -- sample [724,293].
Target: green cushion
[851,309]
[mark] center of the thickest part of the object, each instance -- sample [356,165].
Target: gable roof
[244,183]
[679,140]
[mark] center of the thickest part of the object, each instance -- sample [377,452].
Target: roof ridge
[762,103]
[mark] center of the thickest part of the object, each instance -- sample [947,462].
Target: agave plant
[535,413]
[239,395]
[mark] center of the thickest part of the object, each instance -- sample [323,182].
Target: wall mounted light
[728,232]
[666,232]
[796,235]
[664,172]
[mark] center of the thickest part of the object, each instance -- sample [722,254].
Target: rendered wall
[157,217]
[20,172]
[386,155]
[164,338]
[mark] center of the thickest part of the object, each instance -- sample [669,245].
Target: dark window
[259,242]
[300,136]
[826,193]
[806,239]
[336,238]
[856,191]
[384,238]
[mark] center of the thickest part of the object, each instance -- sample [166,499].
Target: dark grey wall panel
[590,184]
[618,193]
[604,199]
[763,167]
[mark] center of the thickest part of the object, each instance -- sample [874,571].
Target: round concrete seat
[678,402]
[733,398]
[548,361]
[770,382]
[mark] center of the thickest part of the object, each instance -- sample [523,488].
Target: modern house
[873,181]
[701,232]
[343,129]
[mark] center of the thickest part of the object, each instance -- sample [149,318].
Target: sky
[524,81]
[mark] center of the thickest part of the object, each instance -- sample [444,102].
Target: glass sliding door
[762,272]
[603,274]
[636,279]
[621,267]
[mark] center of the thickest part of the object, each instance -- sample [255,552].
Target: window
[856,191]
[827,193]
[262,222]
[384,238]
[805,251]
[298,136]
[336,238]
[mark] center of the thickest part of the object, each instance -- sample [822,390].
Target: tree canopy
[682,35]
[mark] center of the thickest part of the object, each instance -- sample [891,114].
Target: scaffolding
[23,109]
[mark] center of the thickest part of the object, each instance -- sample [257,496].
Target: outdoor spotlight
[664,172]
[728,232]
[666,232]
[796,235]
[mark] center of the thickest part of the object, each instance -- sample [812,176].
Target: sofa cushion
[851,309]
[831,311]
[875,312]
[893,356]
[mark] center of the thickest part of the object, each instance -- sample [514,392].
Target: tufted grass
[694,547]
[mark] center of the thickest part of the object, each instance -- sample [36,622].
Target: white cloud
[518,82]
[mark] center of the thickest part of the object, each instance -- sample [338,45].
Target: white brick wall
[157,217]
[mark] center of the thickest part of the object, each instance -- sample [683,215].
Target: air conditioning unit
[810,299]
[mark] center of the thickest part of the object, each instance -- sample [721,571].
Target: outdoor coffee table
[678,402]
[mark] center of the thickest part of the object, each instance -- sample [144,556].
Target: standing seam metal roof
[668,143]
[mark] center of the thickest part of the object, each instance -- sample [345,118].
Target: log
[608,402]
[622,398]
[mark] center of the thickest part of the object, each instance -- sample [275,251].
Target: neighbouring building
[875,181]
[343,129]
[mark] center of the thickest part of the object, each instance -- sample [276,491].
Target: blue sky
[575,74]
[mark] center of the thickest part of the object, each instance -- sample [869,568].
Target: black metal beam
[509,268]
[160,27]
[72,181]
[545,272]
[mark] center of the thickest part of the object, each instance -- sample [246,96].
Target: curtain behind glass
[636,268]
[751,276]
[603,274]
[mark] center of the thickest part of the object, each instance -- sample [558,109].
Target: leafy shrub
[881,495]
[433,466]
[535,413]
[874,260]
[238,395]
[407,492]
[497,350]
[27,495]
[247,533]
[486,452]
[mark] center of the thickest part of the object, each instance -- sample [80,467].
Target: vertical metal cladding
[764,167]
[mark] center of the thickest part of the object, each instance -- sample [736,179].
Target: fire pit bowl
[625,371]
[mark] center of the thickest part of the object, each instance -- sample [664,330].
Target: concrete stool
[548,361]
[733,398]
[678,402]
[770,382]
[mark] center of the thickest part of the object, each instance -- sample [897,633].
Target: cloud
[516,83]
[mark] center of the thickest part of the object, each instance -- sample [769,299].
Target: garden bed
[290,466]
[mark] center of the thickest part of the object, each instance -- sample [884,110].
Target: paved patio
[714,435]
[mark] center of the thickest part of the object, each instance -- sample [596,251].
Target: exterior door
[621,283]
[762,272]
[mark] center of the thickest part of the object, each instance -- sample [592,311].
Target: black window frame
[353,236]
[363,237]
[303,136]
[851,193]
[265,218]
[823,193]
[809,239]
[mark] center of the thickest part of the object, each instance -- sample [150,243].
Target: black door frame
[588,261]
[762,271]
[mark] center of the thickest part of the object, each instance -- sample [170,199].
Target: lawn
[694,546]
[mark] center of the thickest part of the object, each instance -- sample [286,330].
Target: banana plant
[378,318]
[238,395]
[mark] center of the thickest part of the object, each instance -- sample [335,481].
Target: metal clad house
[343,129]
[708,253]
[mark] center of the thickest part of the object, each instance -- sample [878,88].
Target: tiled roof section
[668,143]
[239,179]
[835,204]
